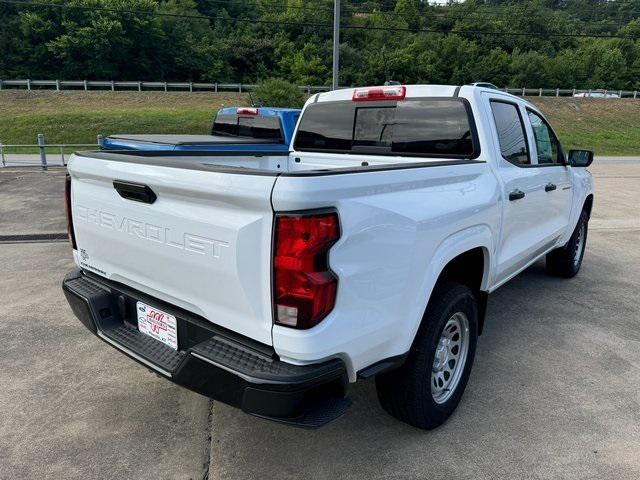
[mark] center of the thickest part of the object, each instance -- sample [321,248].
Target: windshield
[440,127]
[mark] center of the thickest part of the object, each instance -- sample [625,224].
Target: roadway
[553,393]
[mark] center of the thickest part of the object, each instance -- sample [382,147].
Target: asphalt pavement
[31,159]
[554,393]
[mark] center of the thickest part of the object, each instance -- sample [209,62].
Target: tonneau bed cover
[192,139]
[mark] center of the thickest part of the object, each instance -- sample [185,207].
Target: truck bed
[265,162]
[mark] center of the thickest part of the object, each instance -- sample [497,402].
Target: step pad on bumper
[145,346]
[257,366]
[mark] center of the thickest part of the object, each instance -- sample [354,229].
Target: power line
[460,15]
[257,3]
[476,15]
[283,6]
[523,7]
[490,11]
[609,8]
[486,32]
[455,13]
[157,14]
[269,22]
[312,24]
[591,13]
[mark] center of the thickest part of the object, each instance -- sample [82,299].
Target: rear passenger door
[524,203]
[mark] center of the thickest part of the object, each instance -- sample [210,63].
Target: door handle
[137,192]
[549,187]
[516,195]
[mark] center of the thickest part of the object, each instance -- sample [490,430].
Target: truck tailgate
[204,243]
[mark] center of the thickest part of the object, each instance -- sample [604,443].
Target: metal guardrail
[247,87]
[140,86]
[571,92]
[41,147]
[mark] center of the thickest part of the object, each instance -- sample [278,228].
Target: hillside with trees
[536,43]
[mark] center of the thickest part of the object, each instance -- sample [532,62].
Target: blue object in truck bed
[233,129]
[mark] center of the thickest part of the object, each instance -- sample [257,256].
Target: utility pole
[336,44]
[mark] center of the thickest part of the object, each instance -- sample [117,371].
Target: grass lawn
[607,126]
[77,117]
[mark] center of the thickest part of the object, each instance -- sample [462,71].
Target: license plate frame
[157,324]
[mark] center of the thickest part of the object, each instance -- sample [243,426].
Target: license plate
[157,324]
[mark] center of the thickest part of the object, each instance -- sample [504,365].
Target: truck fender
[582,197]
[477,236]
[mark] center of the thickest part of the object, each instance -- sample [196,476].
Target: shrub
[276,92]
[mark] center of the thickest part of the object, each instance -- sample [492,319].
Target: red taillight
[304,289]
[67,211]
[246,111]
[395,92]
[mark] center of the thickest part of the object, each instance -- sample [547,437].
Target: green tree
[610,70]
[469,40]
[569,68]
[409,10]
[304,66]
[88,43]
[276,92]
[494,67]
[529,69]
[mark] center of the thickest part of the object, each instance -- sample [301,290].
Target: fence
[242,87]
[571,92]
[139,86]
[43,158]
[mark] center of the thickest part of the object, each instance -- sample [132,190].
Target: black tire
[406,392]
[566,261]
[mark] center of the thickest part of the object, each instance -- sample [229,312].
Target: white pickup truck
[272,281]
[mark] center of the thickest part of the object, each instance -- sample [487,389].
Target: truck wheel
[427,388]
[566,261]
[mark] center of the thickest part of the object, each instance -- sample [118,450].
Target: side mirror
[580,158]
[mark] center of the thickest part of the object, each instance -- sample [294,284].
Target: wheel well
[588,204]
[468,269]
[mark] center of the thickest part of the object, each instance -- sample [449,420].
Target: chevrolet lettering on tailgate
[154,233]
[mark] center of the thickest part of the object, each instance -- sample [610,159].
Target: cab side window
[547,144]
[511,133]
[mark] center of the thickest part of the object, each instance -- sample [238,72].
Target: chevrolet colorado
[273,281]
[234,129]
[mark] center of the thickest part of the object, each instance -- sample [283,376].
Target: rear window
[432,127]
[254,126]
[511,133]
